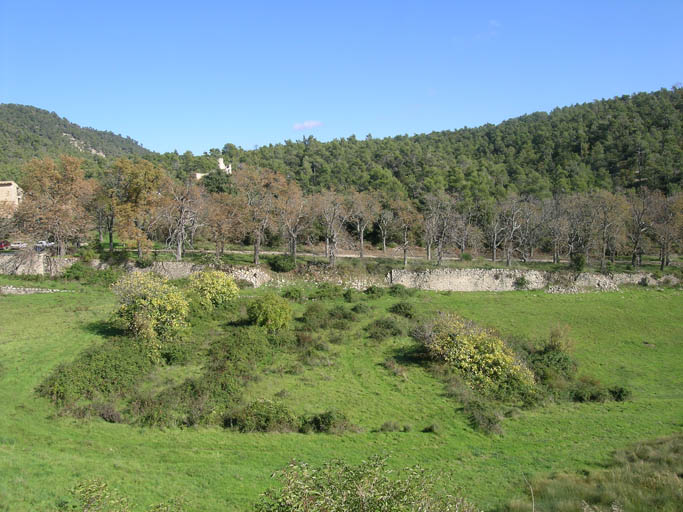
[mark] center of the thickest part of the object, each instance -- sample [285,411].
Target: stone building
[10,197]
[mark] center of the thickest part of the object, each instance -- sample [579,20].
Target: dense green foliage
[270,311]
[213,288]
[370,486]
[28,132]
[624,141]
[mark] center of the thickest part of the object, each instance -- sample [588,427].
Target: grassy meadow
[632,338]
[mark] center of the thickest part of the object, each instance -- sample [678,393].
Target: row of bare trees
[139,203]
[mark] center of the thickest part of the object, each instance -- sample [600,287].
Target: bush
[263,416]
[521,283]
[150,309]
[244,283]
[91,276]
[588,389]
[619,393]
[144,262]
[270,311]
[479,354]
[282,263]
[465,256]
[351,295]
[434,428]
[96,495]
[87,254]
[315,317]
[361,309]
[370,486]
[327,291]
[330,422]
[405,309]
[390,426]
[398,290]
[483,416]
[293,293]
[384,328]
[374,292]
[213,288]
[111,369]
[577,262]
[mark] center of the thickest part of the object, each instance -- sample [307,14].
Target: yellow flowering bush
[482,357]
[270,311]
[150,309]
[213,288]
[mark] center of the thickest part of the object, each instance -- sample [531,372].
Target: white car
[18,245]
[44,243]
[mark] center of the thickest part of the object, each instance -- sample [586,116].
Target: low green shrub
[484,416]
[85,274]
[369,486]
[577,262]
[374,292]
[521,283]
[243,284]
[144,262]
[405,309]
[96,495]
[108,370]
[177,352]
[351,295]
[263,416]
[398,290]
[282,263]
[330,422]
[383,328]
[361,308]
[390,426]
[87,254]
[293,293]
[588,389]
[465,256]
[619,393]
[315,317]
[327,291]
[213,288]
[270,311]
[433,428]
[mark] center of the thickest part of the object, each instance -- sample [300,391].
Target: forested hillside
[27,132]
[621,142]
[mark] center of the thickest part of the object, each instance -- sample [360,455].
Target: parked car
[4,245]
[44,243]
[18,245]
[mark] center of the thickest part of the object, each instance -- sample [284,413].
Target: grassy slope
[41,457]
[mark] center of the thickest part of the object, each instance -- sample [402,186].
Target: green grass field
[631,338]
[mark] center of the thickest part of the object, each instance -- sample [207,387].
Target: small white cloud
[495,24]
[307,125]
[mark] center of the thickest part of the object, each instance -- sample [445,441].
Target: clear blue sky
[195,75]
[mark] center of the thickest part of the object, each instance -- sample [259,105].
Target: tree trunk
[508,256]
[327,247]
[361,233]
[294,249]
[62,248]
[110,231]
[139,250]
[384,244]
[179,249]
[429,251]
[257,248]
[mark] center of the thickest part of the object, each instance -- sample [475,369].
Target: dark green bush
[144,262]
[330,422]
[243,283]
[351,295]
[263,416]
[390,426]
[398,290]
[108,370]
[361,308]
[87,254]
[384,328]
[577,262]
[327,291]
[315,317]
[434,428]
[483,416]
[293,293]
[588,389]
[177,351]
[405,309]
[86,274]
[521,283]
[282,263]
[465,256]
[619,393]
[374,292]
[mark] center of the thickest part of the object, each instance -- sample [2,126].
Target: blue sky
[195,75]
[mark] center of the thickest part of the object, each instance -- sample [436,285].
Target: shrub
[361,309]
[405,309]
[293,293]
[351,295]
[577,262]
[384,328]
[465,256]
[244,283]
[315,317]
[213,288]
[327,291]
[370,486]
[588,389]
[374,292]
[282,263]
[144,262]
[330,422]
[483,416]
[263,416]
[434,428]
[521,283]
[107,370]
[398,290]
[270,311]
[619,393]
[91,276]
[150,309]
[96,495]
[479,354]
[390,426]
[87,254]
[177,351]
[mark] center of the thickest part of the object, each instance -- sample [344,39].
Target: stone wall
[15,290]
[180,269]
[33,263]
[499,280]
